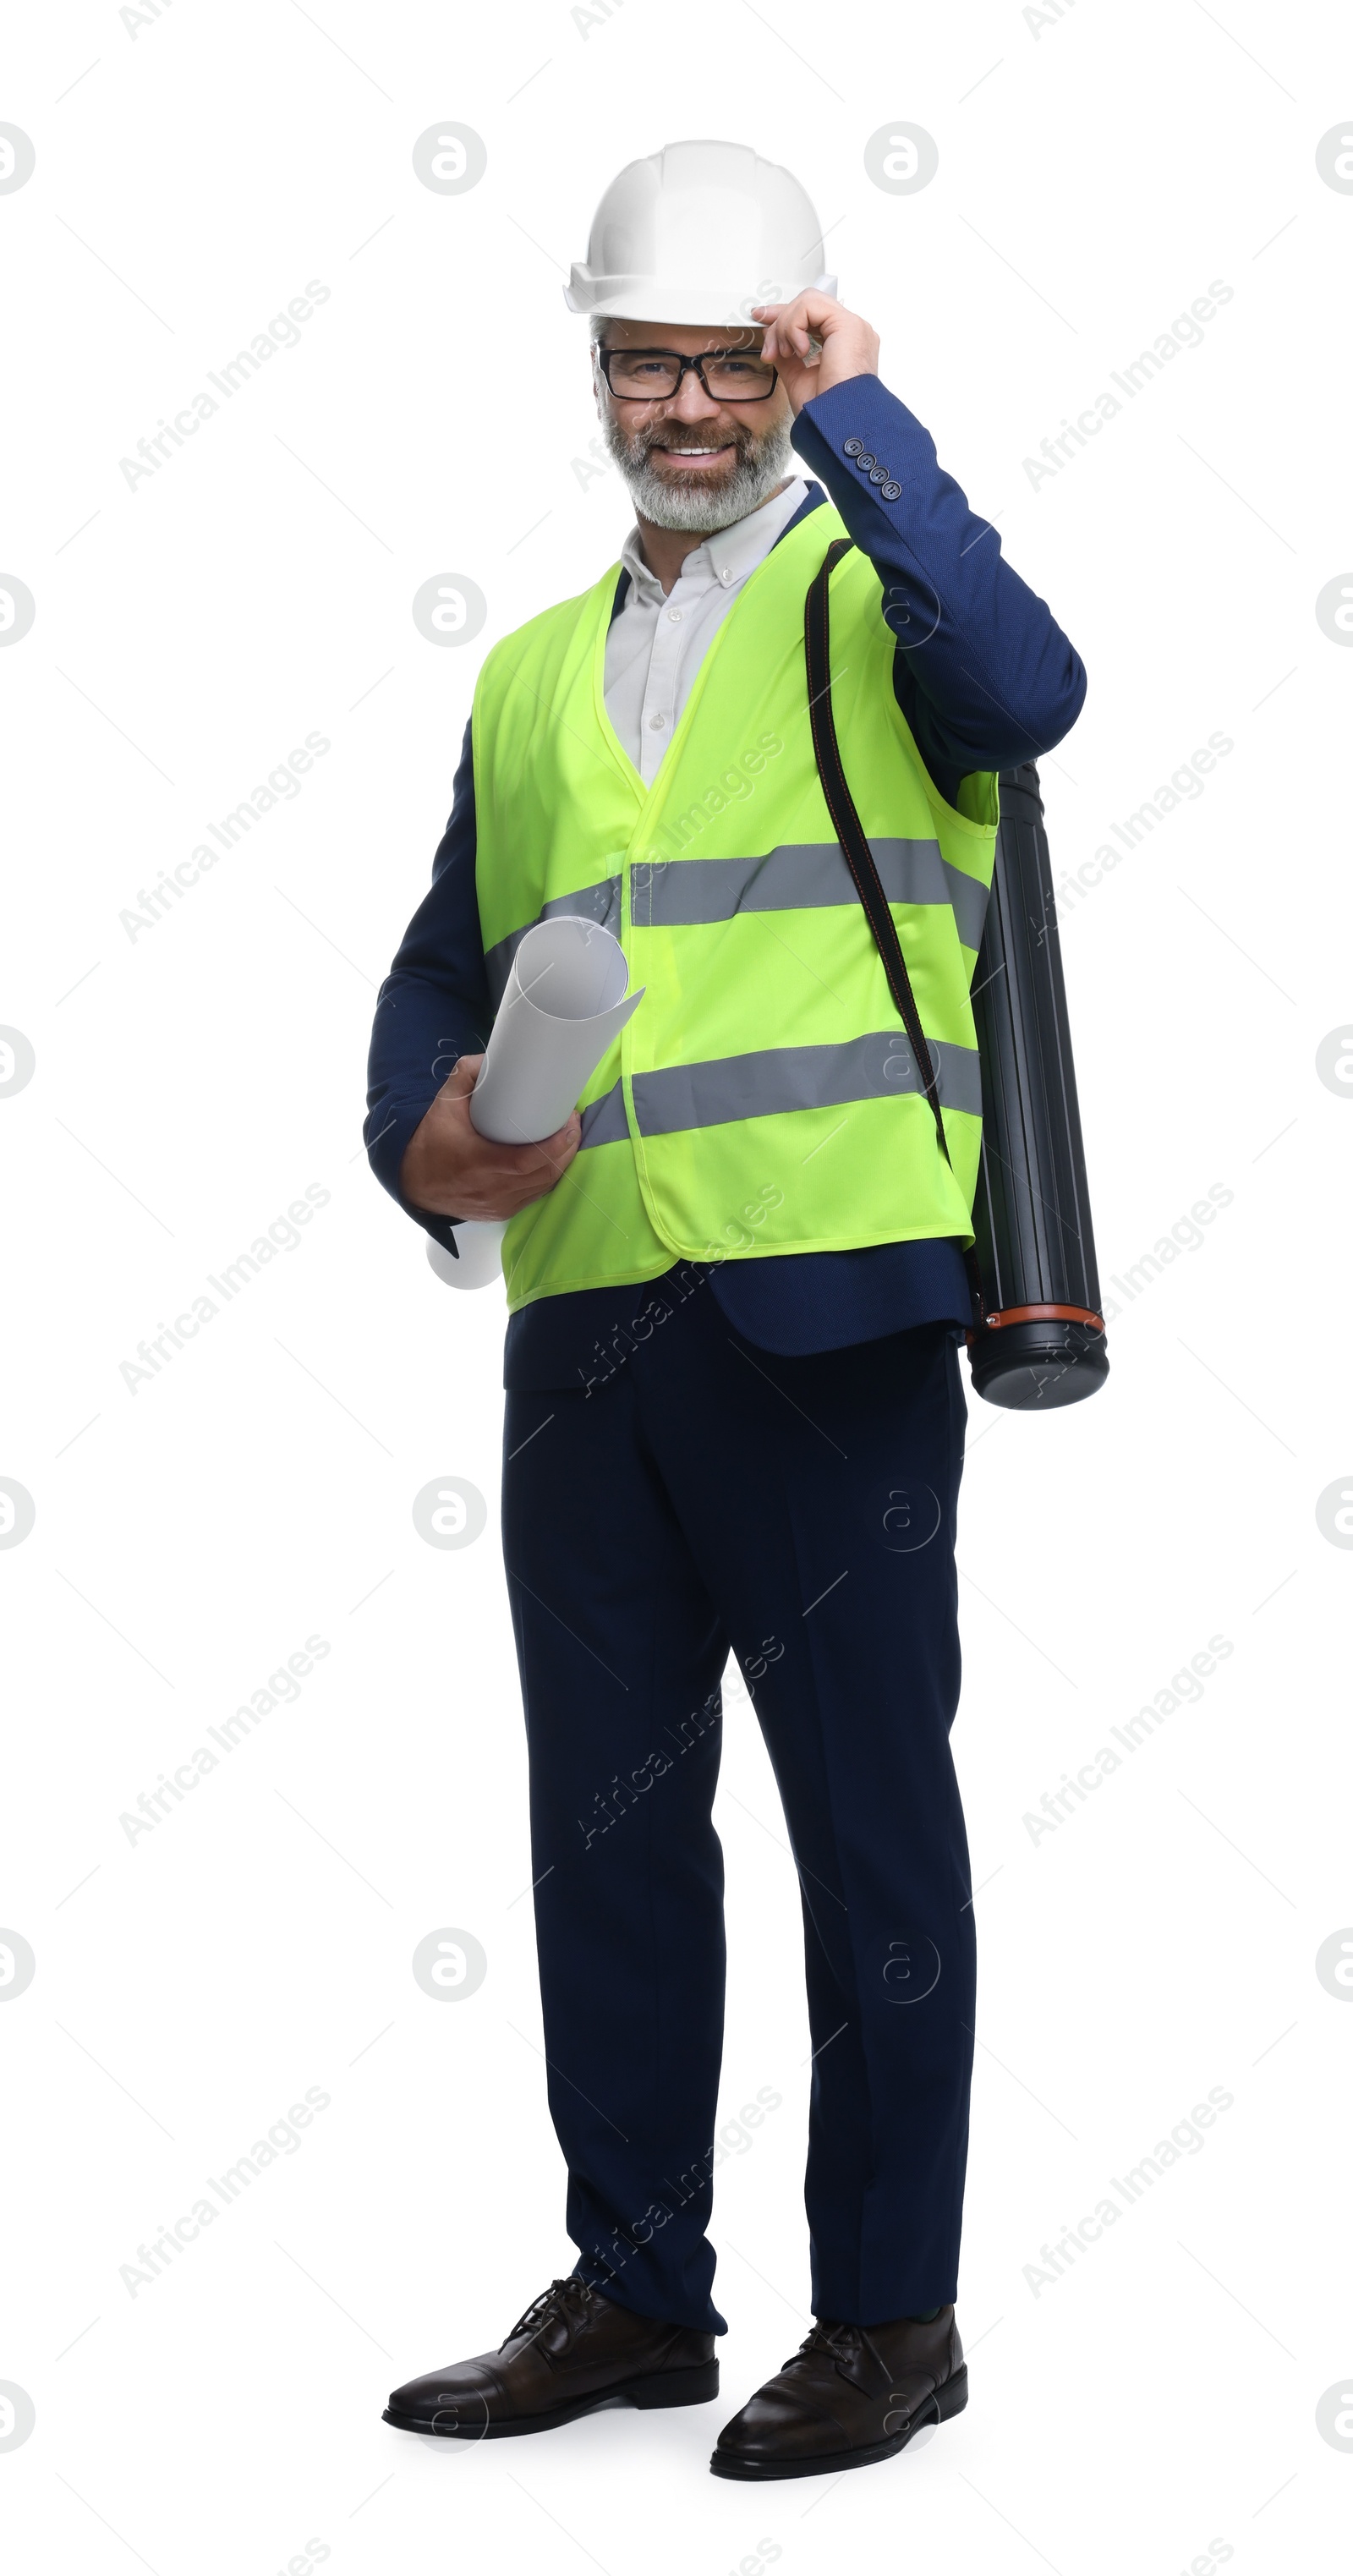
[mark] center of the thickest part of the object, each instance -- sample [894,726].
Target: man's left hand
[848,346]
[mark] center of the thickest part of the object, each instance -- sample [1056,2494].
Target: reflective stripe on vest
[781,1078]
[763,1098]
[802,876]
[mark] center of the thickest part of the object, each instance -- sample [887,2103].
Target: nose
[692,402]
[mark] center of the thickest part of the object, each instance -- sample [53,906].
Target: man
[734,1414]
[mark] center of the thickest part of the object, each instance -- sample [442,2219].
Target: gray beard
[759,471]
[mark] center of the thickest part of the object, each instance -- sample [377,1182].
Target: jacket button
[864,462]
[852,447]
[891,492]
[879,475]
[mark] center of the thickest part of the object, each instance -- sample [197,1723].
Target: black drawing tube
[1041,1341]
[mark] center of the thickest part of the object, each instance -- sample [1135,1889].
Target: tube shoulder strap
[847,826]
[859,857]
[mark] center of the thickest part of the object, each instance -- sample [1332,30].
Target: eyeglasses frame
[687,366]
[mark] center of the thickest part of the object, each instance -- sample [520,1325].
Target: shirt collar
[727,557]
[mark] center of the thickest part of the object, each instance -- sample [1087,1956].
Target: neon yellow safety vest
[763,1098]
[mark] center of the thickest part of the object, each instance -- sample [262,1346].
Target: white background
[1096,173]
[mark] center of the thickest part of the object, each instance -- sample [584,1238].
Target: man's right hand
[451,1170]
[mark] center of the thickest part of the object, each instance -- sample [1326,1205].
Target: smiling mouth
[690,459]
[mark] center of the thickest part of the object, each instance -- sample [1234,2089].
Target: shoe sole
[948,2399]
[658,2388]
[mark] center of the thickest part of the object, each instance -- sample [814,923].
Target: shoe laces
[843,2342]
[569,2299]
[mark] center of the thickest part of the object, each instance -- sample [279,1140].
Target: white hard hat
[699,232]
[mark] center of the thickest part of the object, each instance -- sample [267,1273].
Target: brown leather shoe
[572,2351]
[849,2395]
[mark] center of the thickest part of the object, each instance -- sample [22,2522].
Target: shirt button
[675,616]
[891,492]
[657,722]
[864,462]
[725,576]
[853,447]
[879,475]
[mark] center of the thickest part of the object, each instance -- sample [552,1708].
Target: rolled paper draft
[566,997]
[477,1258]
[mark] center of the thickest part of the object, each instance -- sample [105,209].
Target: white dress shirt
[656,644]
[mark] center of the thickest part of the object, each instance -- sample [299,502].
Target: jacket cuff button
[853,447]
[891,492]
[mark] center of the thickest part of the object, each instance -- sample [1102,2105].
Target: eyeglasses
[654,375]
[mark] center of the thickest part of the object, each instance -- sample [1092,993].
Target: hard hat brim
[723,305]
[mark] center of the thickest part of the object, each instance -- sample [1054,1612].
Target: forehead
[691,339]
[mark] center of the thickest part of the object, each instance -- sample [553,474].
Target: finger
[809,316]
[772,339]
[522,1162]
[778,338]
[789,317]
[463,1076]
[560,1148]
[559,1137]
